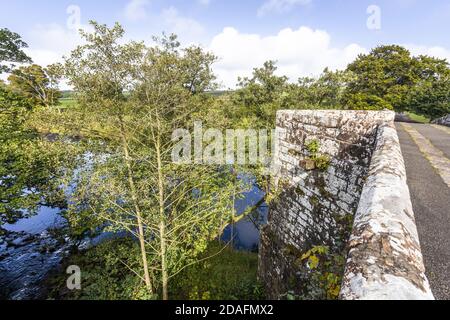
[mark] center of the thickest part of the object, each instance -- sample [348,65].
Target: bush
[104,274]
[229,275]
[362,101]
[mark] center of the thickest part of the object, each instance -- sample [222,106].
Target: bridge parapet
[343,186]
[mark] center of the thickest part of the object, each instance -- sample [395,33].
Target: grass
[231,275]
[66,103]
[417,118]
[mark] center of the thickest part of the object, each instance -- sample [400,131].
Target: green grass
[67,103]
[231,275]
[418,118]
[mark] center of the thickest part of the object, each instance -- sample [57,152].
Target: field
[67,102]
[418,118]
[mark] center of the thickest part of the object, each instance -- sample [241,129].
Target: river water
[30,250]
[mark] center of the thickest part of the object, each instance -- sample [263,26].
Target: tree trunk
[165,278]
[232,219]
[233,210]
[141,234]
[162,225]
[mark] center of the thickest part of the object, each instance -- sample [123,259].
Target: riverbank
[225,274]
[35,249]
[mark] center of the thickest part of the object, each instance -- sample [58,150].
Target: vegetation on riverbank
[128,100]
[224,274]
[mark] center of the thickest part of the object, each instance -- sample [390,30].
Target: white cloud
[44,57]
[187,28]
[49,43]
[302,52]
[279,6]
[436,51]
[204,2]
[136,10]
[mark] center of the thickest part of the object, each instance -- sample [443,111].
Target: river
[32,247]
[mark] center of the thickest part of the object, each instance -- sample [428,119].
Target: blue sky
[304,36]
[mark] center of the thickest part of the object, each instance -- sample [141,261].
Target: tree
[54,73]
[193,200]
[197,70]
[260,96]
[431,95]
[325,92]
[11,50]
[431,99]
[100,72]
[131,99]
[386,74]
[30,166]
[37,84]
[391,78]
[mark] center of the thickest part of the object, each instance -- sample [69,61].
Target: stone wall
[384,260]
[444,121]
[317,204]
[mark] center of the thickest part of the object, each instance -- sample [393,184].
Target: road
[426,150]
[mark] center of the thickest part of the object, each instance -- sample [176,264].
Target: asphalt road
[437,137]
[431,201]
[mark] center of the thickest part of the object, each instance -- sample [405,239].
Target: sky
[303,36]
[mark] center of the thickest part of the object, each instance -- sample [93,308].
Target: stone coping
[385,260]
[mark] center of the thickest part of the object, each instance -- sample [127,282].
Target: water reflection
[46,218]
[244,235]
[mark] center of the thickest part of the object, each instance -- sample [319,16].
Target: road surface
[426,150]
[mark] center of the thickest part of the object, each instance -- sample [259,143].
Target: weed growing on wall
[316,160]
[320,275]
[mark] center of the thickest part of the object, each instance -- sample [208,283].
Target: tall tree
[100,72]
[36,83]
[383,79]
[259,97]
[431,95]
[389,77]
[141,95]
[30,166]
[11,50]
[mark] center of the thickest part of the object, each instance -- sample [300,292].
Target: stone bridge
[343,184]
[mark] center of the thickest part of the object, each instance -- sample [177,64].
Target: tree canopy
[11,50]
[131,99]
[389,77]
[36,83]
[30,166]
